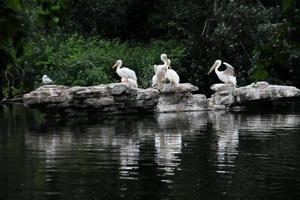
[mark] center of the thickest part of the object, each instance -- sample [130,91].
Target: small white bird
[124,72]
[172,75]
[46,80]
[132,82]
[226,76]
[161,70]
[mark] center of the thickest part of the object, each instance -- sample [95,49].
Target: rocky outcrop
[113,98]
[226,95]
[180,98]
[120,98]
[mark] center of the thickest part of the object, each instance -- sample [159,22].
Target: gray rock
[99,102]
[262,84]
[222,87]
[111,99]
[119,88]
[180,88]
[118,98]
[48,94]
[261,91]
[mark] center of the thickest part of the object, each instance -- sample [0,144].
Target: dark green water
[168,156]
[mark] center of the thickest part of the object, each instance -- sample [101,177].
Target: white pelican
[131,81]
[226,76]
[172,75]
[154,81]
[124,72]
[46,80]
[161,70]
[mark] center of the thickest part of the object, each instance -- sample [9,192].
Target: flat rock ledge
[120,98]
[114,98]
[227,96]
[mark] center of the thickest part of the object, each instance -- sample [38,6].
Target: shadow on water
[203,155]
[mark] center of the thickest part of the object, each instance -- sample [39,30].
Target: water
[167,156]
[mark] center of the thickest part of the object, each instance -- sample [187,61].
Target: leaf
[287,4]
[14,4]
[55,19]
[20,52]
[260,74]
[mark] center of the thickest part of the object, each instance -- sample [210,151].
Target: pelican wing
[154,81]
[129,73]
[172,76]
[229,70]
[155,68]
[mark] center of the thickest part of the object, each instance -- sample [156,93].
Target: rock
[48,94]
[228,95]
[222,87]
[119,88]
[99,102]
[180,88]
[149,93]
[88,92]
[262,84]
[120,98]
[179,102]
[110,99]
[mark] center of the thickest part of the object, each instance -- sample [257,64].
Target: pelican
[226,76]
[172,75]
[154,81]
[125,73]
[46,80]
[131,81]
[161,70]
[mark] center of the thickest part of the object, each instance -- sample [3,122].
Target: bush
[76,60]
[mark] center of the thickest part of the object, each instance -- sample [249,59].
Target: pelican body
[154,81]
[161,70]
[124,72]
[46,80]
[132,82]
[172,75]
[226,76]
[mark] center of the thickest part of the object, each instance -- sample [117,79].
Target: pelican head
[118,63]
[216,64]
[163,57]
[169,63]
[45,76]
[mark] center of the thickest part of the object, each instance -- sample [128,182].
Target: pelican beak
[115,65]
[213,67]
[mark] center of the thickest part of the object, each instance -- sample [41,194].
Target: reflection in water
[133,157]
[226,127]
[128,156]
[168,147]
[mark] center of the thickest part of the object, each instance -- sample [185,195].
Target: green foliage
[226,30]
[76,60]
[13,35]
[259,38]
[280,54]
